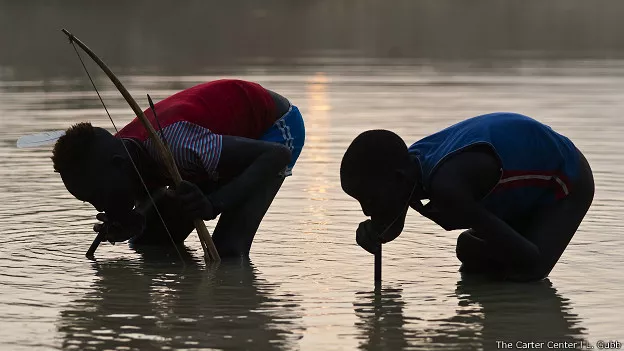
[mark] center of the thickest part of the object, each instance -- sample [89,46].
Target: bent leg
[469,251]
[237,227]
[475,255]
[551,229]
[554,226]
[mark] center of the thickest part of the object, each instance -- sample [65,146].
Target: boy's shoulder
[471,171]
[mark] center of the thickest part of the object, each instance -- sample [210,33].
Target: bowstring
[129,156]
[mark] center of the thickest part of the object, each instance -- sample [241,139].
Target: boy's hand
[118,230]
[367,237]
[193,201]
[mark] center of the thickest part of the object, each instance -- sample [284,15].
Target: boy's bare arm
[440,218]
[251,163]
[453,192]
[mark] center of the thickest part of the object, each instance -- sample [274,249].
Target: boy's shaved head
[378,172]
[373,155]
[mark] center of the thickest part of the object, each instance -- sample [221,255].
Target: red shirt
[194,120]
[226,107]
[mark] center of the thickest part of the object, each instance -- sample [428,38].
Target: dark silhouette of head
[377,171]
[95,168]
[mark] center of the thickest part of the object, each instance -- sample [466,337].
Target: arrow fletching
[39,139]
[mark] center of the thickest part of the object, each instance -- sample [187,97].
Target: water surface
[308,286]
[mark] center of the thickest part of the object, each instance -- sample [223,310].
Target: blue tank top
[538,164]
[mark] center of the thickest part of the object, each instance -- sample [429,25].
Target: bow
[210,251]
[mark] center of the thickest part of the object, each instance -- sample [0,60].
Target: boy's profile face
[105,183]
[382,198]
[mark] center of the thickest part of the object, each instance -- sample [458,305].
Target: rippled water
[308,285]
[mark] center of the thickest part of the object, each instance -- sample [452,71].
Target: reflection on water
[150,303]
[381,320]
[520,312]
[318,126]
[487,314]
[310,286]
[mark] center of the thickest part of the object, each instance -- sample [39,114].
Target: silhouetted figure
[520,188]
[233,141]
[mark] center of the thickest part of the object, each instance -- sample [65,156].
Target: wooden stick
[378,267]
[94,245]
[210,251]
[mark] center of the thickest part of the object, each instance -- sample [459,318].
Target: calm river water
[308,285]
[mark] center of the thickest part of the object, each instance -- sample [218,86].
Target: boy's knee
[462,249]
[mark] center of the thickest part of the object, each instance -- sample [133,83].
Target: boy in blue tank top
[519,188]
